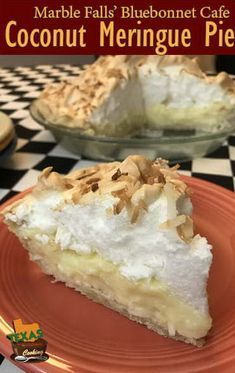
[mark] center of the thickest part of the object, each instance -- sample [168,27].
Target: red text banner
[121,27]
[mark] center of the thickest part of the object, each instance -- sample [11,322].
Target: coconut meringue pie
[121,96]
[122,234]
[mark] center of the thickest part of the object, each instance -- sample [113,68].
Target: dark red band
[121,27]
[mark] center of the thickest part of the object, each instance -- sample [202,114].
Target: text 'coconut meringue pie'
[121,96]
[121,233]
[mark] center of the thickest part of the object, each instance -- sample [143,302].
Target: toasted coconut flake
[94,187]
[117,174]
[93,180]
[173,223]
[76,196]
[185,230]
[135,214]
[119,206]
[45,173]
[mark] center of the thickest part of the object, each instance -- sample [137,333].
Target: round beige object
[7,131]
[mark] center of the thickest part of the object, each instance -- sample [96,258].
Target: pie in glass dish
[125,96]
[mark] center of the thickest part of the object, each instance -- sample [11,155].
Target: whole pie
[122,234]
[122,96]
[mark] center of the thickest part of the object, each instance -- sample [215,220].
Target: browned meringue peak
[136,183]
[189,65]
[224,80]
[78,97]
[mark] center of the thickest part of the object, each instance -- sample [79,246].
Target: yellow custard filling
[147,298]
[162,116]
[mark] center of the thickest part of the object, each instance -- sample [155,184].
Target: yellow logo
[27,342]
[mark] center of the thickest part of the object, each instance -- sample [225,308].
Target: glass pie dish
[175,145]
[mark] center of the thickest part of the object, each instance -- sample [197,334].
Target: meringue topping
[135,183]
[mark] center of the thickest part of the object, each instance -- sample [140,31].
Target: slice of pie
[121,233]
[123,95]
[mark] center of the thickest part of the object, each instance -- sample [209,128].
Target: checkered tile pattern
[36,147]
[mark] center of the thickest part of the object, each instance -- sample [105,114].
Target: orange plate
[86,337]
